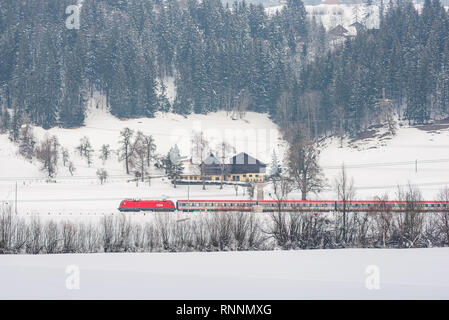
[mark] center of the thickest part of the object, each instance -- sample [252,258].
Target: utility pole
[188,195]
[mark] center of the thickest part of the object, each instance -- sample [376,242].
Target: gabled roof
[245,159]
[338,31]
[211,159]
[357,25]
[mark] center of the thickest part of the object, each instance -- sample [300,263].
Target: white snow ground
[309,274]
[377,164]
[82,193]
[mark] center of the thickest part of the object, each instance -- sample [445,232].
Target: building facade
[241,168]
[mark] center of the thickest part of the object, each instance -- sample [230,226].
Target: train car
[215,205]
[251,205]
[393,206]
[297,205]
[147,205]
[309,206]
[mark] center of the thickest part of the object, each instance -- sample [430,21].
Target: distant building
[358,27]
[338,32]
[211,166]
[241,168]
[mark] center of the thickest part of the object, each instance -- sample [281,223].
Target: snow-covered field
[82,192]
[377,164]
[309,274]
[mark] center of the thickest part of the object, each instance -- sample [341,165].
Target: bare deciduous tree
[150,148]
[251,188]
[223,151]
[71,168]
[105,152]
[345,190]
[200,150]
[102,175]
[47,153]
[84,146]
[65,156]
[304,169]
[139,157]
[409,222]
[383,217]
[126,149]
[444,215]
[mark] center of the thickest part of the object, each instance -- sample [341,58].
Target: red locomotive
[146,205]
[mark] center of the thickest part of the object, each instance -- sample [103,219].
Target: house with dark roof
[338,32]
[244,167]
[358,27]
[241,168]
[211,166]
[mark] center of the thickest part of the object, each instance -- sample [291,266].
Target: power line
[386,164]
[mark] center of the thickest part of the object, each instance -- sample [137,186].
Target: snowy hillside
[378,163]
[82,192]
[305,274]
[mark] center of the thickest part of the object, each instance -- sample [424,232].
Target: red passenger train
[147,205]
[284,206]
